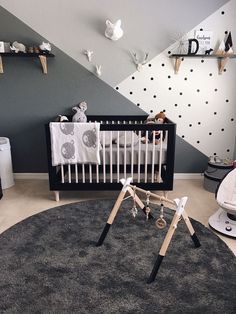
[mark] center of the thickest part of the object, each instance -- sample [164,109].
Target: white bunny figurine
[114,31]
[45,46]
[98,69]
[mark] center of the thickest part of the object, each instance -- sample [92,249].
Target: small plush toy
[61,118]
[159,118]
[79,110]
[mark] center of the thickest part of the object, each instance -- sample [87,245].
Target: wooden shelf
[223,59]
[42,57]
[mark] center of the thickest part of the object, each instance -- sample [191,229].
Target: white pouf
[6,172]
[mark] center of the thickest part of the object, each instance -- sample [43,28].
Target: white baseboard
[33,176]
[44,176]
[188,176]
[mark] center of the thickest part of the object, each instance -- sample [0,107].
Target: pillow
[128,139]
[107,137]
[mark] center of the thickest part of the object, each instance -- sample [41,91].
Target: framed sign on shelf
[204,39]
[2,46]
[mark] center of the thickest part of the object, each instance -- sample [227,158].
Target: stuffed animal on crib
[79,110]
[159,118]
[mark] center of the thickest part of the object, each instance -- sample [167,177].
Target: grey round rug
[49,263]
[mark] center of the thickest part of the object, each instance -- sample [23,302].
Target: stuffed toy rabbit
[79,110]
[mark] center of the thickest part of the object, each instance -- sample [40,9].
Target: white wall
[205,112]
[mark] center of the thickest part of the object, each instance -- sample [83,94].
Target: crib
[123,155]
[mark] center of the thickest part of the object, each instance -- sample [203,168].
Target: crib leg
[57,196]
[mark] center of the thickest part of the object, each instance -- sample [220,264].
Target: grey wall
[30,98]
[148,26]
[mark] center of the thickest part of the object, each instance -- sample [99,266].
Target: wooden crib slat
[111,172]
[146,157]
[83,173]
[62,174]
[139,155]
[90,173]
[132,154]
[69,173]
[76,173]
[104,157]
[160,157]
[118,156]
[125,155]
[153,154]
[97,173]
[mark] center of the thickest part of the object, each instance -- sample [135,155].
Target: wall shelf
[222,59]
[42,57]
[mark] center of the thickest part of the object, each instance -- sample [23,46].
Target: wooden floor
[28,197]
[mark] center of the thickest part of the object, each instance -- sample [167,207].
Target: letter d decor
[190,41]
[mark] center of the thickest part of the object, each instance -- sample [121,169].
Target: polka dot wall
[201,101]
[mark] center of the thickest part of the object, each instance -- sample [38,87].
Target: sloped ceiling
[76,25]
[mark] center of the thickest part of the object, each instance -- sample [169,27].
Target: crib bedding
[143,153]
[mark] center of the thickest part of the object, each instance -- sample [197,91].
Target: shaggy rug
[49,263]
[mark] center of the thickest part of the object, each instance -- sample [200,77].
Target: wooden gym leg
[168,237]
[191,230]
[111,217]
[1,65]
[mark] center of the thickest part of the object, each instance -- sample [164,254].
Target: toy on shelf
[79,110]
[179,205]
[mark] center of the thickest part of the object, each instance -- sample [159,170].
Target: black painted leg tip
[195,240]
[150,280]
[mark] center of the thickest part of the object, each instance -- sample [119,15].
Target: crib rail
[147,166]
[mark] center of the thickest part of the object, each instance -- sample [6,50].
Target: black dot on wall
[169,88]
[198,90]
[145,89]
[181,93]
[117,88]
[210,133]
[182,59]
[222,12]
[224,70]
[176,105]
[228,150]
[185,78]
[190,125]
[232,119]
[180,116]
[131,93]
[215,113]
[151,111]
[215,89]
[182,136]
[138,105]
[199,123]
[226,32]
[198,142]
[149,65]
[191,70]
[210,74]
[169,76]
[154,96]
[214,154]
[189,105]
[163,64]
[222,130]
[133,77]
[226,100]
[163,110]
[206,102]
[202,61]
[151,78]
[201,29]
[169,52]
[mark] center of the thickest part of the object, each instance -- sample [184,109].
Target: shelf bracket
[1,65]
[43,60]
[222,64]
[177,64]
